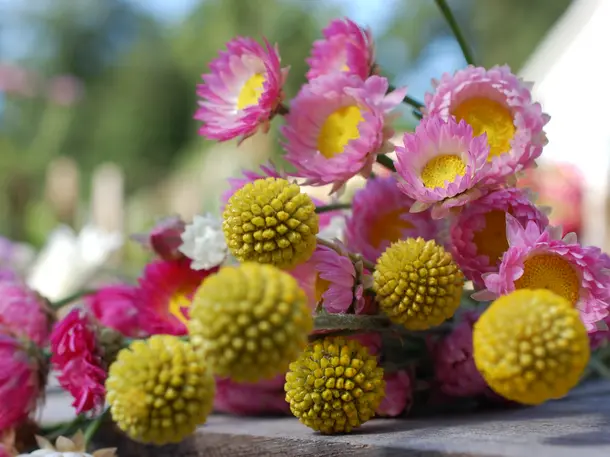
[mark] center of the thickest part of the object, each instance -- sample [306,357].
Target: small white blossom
[204,242]
[335,230]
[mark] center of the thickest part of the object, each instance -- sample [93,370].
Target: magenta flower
[116,307]
[24,312]
[337,125]
[346,47]
[499,104]
[76,355]
[380,216]
[441,165]
[242,92]
[540,259]
[165,238]
[398,394]
[478,233]
[251,399]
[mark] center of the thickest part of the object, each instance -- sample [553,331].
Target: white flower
[65,447]
[334,230]
[204,242]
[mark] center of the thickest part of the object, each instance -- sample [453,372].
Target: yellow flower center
[388,227]
[491,239]
[441,169]
[491,117]
[251,91]
[179,305]
[339,129]
[551,272]
[345,67]
[322,286]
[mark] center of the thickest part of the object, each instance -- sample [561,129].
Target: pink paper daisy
[167,288]
[380,216]
[251,399]
[346,47]
[498,103]
[76,355]
[337,125]
[242,92]
[540,259]
[441,165]
[398,394]
[116,306]
[478,234]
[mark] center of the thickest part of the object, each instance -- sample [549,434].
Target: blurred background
[97,96]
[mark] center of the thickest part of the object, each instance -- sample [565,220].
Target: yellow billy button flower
[250,321]
[159,390]
[271,221]
[531,346]
[417,283]
[335,385]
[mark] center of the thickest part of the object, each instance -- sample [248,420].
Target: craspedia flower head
[243,90]
[441,165]
[250,321]
[346,47]
[499,104]
[335,385]
[160,390]
[337,125]
[478,233]
[266,171]
[417,283]
[530,346]
[271,221]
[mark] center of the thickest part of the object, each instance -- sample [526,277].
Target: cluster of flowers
[287,304]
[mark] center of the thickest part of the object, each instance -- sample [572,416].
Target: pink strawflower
[76,355]
[478,234]
[25,313]
[165,238]
[266,171]
[498,103]
[455,371]
[346,47]
[117,307]
[380,216]
[167,288]
[337,125]
[441,165]
[21,381]
[541,259]
[251,399]
[8,274]
[398,394]
[242,92]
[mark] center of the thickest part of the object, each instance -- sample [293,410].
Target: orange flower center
[388,227]
[491,239]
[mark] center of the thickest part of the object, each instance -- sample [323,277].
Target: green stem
[409,101]
[66,301]
[332,207]
[350,322]
[455,28]
[94,427]
[64,429]
[599,367]
[386,162]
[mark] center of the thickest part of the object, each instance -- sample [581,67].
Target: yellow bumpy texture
[335,385]
[271,221]
[159,390]
[531,346]
[250,321]
[417,283]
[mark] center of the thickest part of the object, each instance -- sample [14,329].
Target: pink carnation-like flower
[541,259]
[266,171]
[251,399]
[478,234]
[337,125]
[116,307]
[498,103]
[346,47]
[20,382]
[441,165]
[76,355]
[164,239]
[242,92]
[454,367]
[398,395]
[380,216]
[167,288]
[24,312]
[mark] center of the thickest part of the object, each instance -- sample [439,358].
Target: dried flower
[251,398]
[204,243]
[164,239]
[117,307]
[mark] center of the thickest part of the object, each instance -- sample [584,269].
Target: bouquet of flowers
[439,280]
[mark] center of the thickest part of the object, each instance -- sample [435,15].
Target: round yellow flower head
[271,221]
[251,321]
[417,283]
[530,346]
[159,390]
[335,385]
